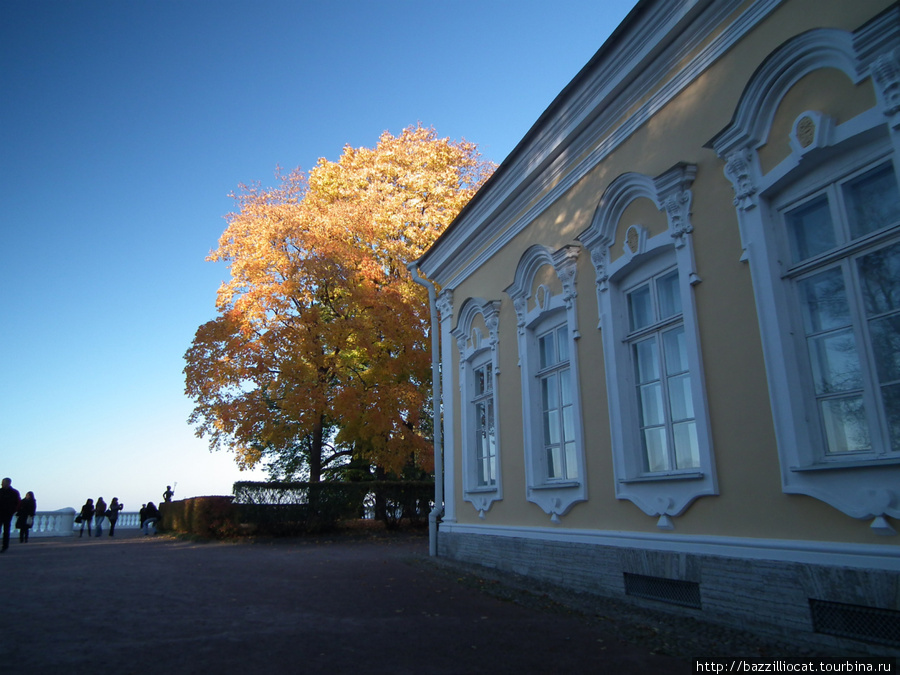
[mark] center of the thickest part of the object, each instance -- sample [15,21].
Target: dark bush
[214,517]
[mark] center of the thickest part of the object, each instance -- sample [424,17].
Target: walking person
[86,515]
[25,516]
[9,504]
[113,514]
[99,515]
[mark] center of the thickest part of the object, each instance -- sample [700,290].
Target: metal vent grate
[673,591]
[869,624]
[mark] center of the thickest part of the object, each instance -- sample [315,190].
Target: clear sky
[124,127]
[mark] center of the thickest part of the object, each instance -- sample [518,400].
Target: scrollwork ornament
[521,305]
[444,304]
[886,73]
[739,170]
[678,208]
[598,259]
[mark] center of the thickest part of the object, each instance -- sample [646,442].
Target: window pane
[656,449]
[891,397]
[879,274]
[872,200]
[652,405]
[824,300]
[846,429]
[687,449]
[554,463]
[571,462]
[547,350]
[646,361]
[680,400]
[565,386]
[835,362]
[675,347]
[640,308]
[480,381]
[549,394]
[550,398]
[810,229]
[562,343]
[885,334]
[669,296]
[568,423]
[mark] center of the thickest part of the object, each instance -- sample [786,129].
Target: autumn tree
[320,346]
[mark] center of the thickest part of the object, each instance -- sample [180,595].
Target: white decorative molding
[861,490]
[444,304]
[554,497]
[474,349]
[811,131]
[666,496]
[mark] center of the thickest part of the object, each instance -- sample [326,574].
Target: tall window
[557,412]
[662,376]
[485,435]
[548,334]
[477,339]
[658,414]
[845,269]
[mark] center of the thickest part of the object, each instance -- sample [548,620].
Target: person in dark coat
[9,504]
[99,515]
[25,516]
[150,518]
[113,514]
[86,515]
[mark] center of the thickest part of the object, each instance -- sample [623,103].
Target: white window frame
[548,311]
[661,494]
[864,489]
[477,350]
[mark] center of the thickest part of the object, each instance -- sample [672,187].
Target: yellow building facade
[670,326]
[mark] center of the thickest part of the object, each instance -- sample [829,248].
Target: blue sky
[124,126]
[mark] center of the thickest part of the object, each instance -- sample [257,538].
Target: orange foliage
[321,323]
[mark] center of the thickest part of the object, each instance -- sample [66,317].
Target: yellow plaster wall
[751,502]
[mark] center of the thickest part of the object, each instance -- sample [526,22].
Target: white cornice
[614,83]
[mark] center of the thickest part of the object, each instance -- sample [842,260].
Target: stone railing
[62,523]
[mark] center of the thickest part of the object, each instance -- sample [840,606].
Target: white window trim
[554,497]
[861,490]
[476,349]
[668,495]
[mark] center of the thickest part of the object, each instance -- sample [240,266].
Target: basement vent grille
[868,624]
[673,591]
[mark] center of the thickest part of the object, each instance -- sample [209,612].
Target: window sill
[657,477]
[837,465]
[557,486]
[485,489]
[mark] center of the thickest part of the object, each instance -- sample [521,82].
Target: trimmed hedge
[285,509]
[201,516]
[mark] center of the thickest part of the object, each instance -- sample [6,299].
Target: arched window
[662,453]
[821,232]
[477,339]
[543,295]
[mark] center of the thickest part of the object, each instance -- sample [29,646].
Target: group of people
[12,504]
[98,513]
[25,510]
[149,516]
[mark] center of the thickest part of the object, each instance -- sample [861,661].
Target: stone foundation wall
[770,598]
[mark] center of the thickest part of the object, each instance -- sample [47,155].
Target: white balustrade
[62,523]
